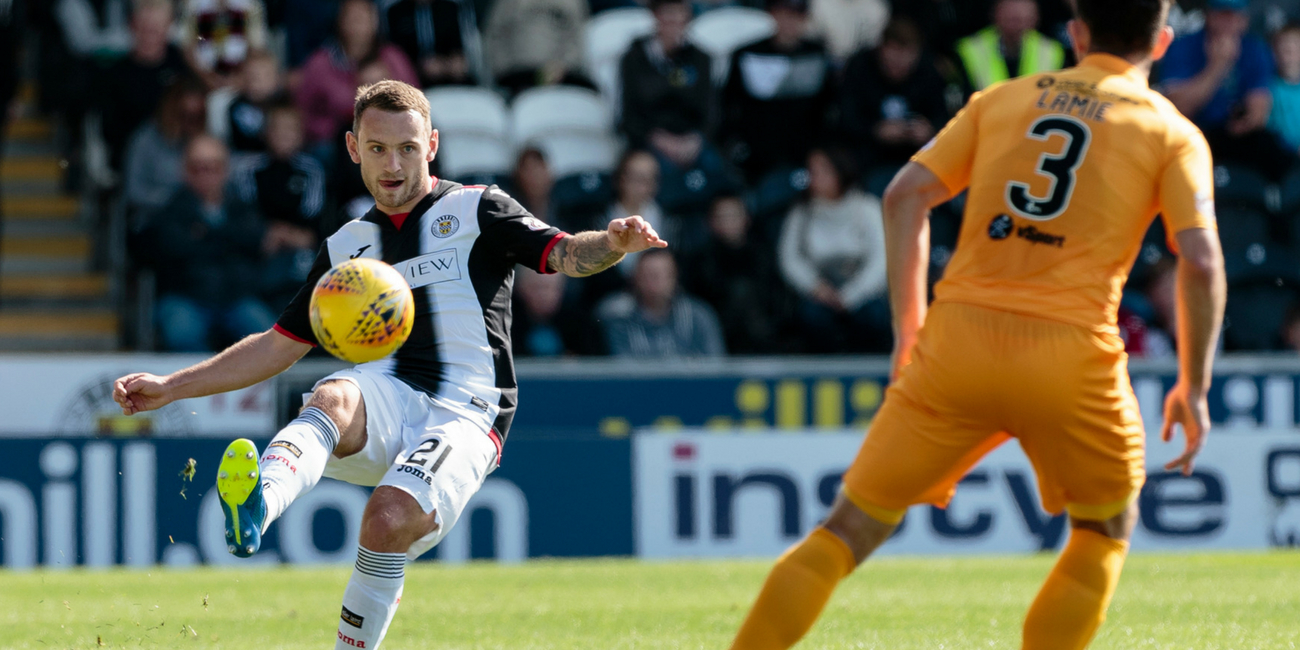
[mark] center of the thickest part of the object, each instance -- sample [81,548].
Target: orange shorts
[979,377]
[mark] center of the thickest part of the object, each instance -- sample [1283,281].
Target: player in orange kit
[1065,172]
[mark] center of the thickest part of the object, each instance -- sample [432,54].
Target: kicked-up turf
[1201,602]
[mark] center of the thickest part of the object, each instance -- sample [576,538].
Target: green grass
[1202,602]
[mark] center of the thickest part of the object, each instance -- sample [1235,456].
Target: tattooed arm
[589,253]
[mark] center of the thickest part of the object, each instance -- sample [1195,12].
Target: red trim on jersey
[546,252]
[399,219]
[291,335]
[496,440]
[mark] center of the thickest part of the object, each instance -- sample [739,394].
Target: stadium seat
[553,110]
[608,35]
[468,110]
[1239,227]
[722,31]
[469,156]
[1243,187]
[1263,282]
[219,102]
[573,153]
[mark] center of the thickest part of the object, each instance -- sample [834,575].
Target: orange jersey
[1066,171]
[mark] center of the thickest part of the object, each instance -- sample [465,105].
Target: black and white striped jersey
[457,249]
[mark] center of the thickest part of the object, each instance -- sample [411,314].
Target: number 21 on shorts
[1059,168]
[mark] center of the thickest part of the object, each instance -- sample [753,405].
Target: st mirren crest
[445,226]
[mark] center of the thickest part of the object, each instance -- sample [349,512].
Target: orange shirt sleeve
[1187,187]
[951,154]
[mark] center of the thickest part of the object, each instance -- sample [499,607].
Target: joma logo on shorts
[417,472]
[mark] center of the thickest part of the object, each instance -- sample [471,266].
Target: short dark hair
[1123,27]
[391,96]
[903,32]
[656,5]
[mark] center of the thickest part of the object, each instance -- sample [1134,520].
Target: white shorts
[437,452]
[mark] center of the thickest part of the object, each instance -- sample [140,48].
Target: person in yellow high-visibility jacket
[1010,43]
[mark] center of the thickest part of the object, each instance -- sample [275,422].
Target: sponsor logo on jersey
[435,267]
[1001,227]
[287,446]
[359,252]
[445,226]
[480,403]
[352,618]
[1035,236]
[534,223]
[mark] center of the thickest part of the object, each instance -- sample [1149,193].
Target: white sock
[371,599]
[294,461]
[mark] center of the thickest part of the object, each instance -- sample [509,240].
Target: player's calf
[393,521]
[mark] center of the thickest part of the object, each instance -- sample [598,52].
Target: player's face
[394,150]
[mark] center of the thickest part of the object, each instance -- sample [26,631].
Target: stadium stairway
[51,298]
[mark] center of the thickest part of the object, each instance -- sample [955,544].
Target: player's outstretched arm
[589,253]
[256,358]
[1202,291]
[907,204]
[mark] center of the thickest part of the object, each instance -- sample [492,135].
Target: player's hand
[141,391]
[632,235]
[1190,410]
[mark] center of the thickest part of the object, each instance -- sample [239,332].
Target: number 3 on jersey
[1059,168]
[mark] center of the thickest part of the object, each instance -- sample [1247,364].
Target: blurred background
[170,168]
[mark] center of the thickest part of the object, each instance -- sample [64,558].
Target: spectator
[1285,116]
[11,25]
[310,24]
[156,152]
[95,28]
[832,254]
[260,82]
[943,22]
[736,275]
[206,248]
[893,100]
[636,181]
[329,78]
[533,184]
[429,32]
[349,190]
[536,43]
[153,65]
[849,25]
[778,94]
[545,325]
[1290,334]
[287,187]
[1219,78]
[1011,43]
[218,35]
[668,107]
[656,320]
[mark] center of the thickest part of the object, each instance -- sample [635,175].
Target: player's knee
[393,521]
[341,401]
[1118,527]
[861,532]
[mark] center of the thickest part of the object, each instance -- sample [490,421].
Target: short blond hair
[389,95]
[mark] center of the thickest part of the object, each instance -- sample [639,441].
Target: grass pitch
[1206,602]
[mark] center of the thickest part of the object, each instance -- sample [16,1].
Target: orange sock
[795,592]
[1072,603]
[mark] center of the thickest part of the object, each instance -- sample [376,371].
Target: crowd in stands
[761,161]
